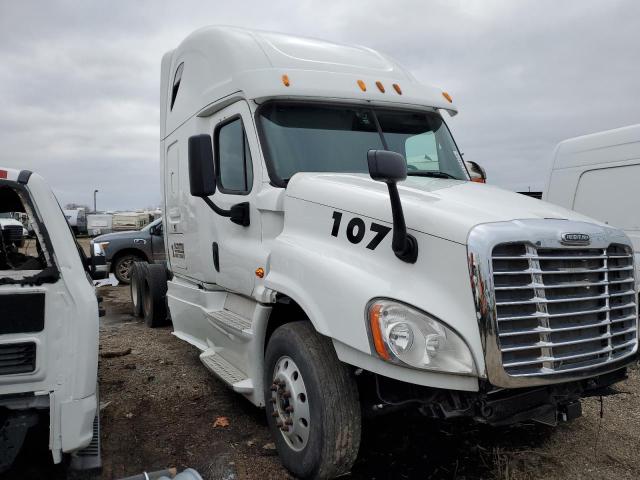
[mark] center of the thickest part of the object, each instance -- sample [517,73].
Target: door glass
[234,158]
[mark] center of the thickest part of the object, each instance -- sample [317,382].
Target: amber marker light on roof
[285,80]
[380,86]
[362,85]
[397,88]
[447,96]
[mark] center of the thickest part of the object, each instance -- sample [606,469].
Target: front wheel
[312,403]
[122,267]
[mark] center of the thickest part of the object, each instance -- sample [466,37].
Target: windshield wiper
[435,174]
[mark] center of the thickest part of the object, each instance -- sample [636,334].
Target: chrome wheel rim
[290,404]
[124,268]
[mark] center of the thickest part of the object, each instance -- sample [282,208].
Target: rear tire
[154,295]
[138,273]
[122,267]
[315,398]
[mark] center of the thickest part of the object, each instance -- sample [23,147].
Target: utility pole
[95,210]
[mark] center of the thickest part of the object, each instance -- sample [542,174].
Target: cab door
[236,248]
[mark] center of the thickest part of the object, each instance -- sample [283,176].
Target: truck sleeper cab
[329,255]
[48,329]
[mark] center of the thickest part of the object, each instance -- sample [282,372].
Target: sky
[79,80]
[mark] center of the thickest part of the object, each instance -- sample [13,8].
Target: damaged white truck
[329,256]
[48,329]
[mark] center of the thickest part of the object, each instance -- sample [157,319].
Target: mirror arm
[215,208]
[238,213]
[404,245]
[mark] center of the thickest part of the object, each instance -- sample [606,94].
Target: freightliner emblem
[576,239]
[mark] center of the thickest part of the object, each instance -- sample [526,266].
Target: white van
[48,328]
[599,175]
[77,218]
[330,256]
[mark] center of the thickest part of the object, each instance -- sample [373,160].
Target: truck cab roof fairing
[222,61]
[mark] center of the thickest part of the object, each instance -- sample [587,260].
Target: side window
[233,158]
[176,84]
[422,152]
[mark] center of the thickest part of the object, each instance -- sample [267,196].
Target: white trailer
[48,329]
[324,277]
[598,175]
[99,224]
[129,221]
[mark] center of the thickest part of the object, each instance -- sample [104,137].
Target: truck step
[219,366]
[232,322]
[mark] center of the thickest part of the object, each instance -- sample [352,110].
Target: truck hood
[115,235]
[441,207]
[10,221]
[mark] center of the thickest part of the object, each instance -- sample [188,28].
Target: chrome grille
[563,309]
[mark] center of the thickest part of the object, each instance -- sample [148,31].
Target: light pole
[94,201]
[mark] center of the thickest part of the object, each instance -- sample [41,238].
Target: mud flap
[12,434]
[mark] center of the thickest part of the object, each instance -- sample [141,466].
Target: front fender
[333,278]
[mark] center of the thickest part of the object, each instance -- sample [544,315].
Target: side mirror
[391,167]
[202,176]
[202,179]
[386,166]
[476,172]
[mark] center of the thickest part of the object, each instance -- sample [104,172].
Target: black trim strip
[24,176]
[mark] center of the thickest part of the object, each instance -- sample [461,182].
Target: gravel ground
[160,406]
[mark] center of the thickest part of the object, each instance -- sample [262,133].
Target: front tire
[312,403]
[122,267]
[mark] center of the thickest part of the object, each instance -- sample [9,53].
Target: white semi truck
[48,329]
[325,277]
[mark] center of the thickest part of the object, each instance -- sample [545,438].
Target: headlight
[406,336]
[99,248]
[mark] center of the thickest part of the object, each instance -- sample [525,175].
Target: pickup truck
[121,249]
[48,328]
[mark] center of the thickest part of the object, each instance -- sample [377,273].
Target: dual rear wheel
[148,288]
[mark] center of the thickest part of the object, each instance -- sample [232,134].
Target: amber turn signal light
[378,342]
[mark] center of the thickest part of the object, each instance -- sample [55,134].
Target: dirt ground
[159,408]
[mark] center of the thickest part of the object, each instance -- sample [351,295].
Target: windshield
[323,138]
[152,224]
